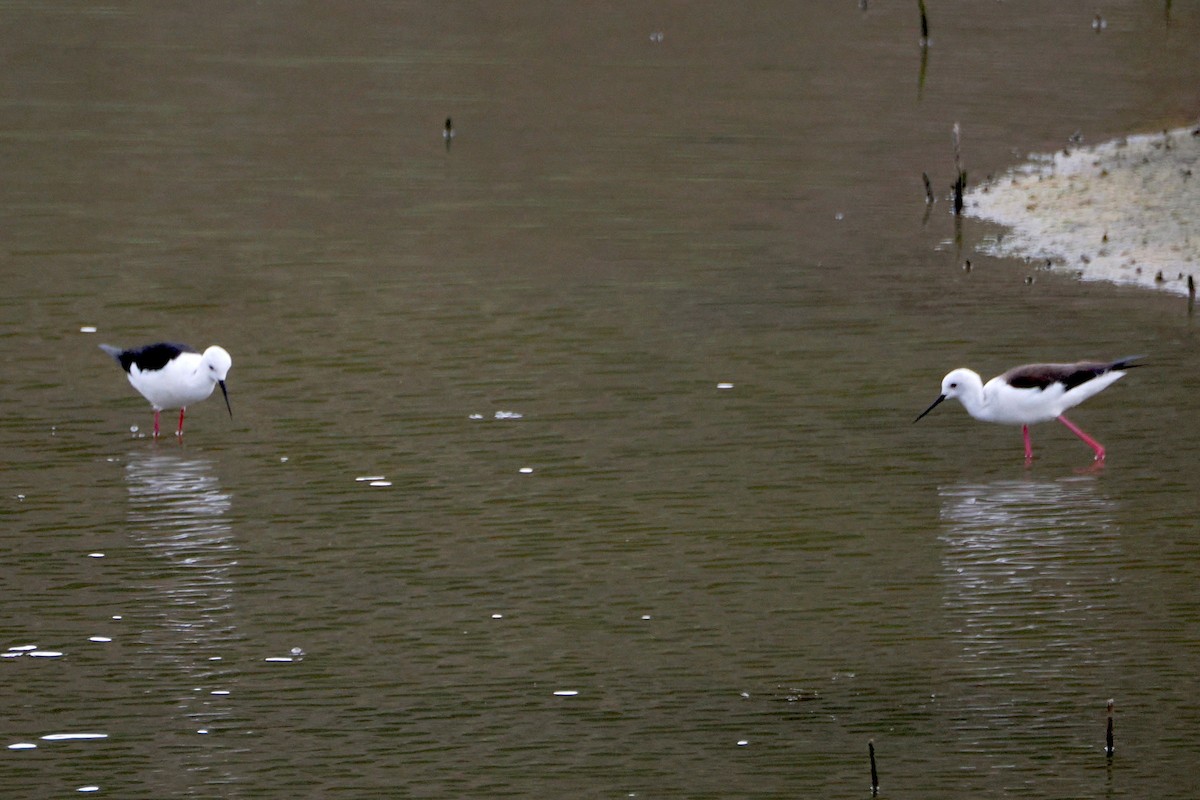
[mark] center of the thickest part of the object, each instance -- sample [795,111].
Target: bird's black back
[1039,376]
[150,357]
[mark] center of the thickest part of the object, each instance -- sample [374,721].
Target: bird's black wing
[1039,376]
[150,357]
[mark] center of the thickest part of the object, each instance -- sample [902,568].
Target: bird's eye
[954,386]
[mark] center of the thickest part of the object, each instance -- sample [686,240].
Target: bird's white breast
[182,382]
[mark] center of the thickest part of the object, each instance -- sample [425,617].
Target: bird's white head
[217,361]
[963,385]
[959,381]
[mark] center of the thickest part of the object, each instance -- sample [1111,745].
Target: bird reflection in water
[1029,571]
[179,514]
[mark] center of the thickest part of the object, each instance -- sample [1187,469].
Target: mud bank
[1126,211]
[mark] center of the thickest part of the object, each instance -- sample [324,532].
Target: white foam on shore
[1124,211]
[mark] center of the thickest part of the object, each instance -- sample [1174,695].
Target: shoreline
[1125,211]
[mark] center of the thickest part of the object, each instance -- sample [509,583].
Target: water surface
[596,570]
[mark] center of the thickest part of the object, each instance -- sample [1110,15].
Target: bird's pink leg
[156,413]
[180,431]
[1089,441]
[1028,444]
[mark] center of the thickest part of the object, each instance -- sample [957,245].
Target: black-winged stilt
[1033,393]
[174,375]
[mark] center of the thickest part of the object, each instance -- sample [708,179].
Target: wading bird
[174,375]
[1033,393]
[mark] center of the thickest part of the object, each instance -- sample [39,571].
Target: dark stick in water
[874,772]
[960,182]
[1108,739]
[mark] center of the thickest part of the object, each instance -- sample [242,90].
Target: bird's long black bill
[934,405]
[222,385]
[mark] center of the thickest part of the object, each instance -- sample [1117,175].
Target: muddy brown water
[635,361]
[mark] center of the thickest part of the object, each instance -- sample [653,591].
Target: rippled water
[576,459]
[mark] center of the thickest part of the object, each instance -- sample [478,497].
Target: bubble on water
[279,659]
[220,692]
[45,654]
[22,746]
[88,329]
[283,459]
[24,647]
[202,731]
[497,616]
[88,789]
[380,483]
[369,478]
[525,470]
[95,555]
[99,638]
[743,742]
[565,693]
[724,385]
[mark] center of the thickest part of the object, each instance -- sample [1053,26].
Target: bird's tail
[1127,362]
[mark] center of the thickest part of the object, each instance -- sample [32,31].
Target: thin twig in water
[960,180]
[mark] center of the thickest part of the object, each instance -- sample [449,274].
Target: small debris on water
[71,737]
[526,470]
[88,329]
[565,693]
[724,385]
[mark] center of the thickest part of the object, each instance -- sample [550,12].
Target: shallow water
[635,360]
